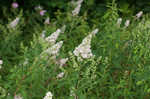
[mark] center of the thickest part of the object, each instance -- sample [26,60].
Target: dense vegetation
[83,49]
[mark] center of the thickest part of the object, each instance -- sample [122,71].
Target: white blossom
[18,97]
[138,15]
[62,61]
[95,31]
[78,7]
[14,23]
[43,34]
[1,62]
[84,49]
[54,49]
[26,61]
[52,38]
[49,95]
[47,21]
[60,75]
[119,21]
[127,23]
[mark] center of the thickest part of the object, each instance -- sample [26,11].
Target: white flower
[119,21]
[77,9]
[95,31]
[54,49]
[18,97]
[1,62]
[84,49]
[49,95]
[47,21]
[43,34]
[52,38]
[127,23]
[14,23]
[62,61]
[26,62]
[60,75]
[138,15]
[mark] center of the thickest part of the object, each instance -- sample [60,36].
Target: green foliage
[119,67]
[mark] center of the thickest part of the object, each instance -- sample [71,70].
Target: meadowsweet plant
[18,97]
[119,21]
[99,54]
[14,23]
[1,62]
[139,14]
[52,38]
[84,49]
[49,95]
[78,7]
[47,20]
[54,49]
[127,23]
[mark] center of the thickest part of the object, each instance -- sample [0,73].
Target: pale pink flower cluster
[78,7]
[119,21]
[52,38]
[49,95]
[54,49]
[47,21]
[40,9]
[18,97]
[14,23]
[127,23]
[63,61]
[43,34]
[60,75]
[138,15]
[1,62]
[94,31]
[42,12]
[15,5]
[84,49]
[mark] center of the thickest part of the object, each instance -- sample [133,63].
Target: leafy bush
[75,55]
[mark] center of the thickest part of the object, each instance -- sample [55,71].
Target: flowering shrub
[72,56]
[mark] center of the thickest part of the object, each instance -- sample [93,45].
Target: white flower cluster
[77,9]
[49,95]
[60,75]
[54,49]
[138,15]
[127,23]
[62,61]
[43,34]
[84,49]
[14,23]
[18,97]
[94,31]
[47,21]
[119,21]
[52,38]
[1,62]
